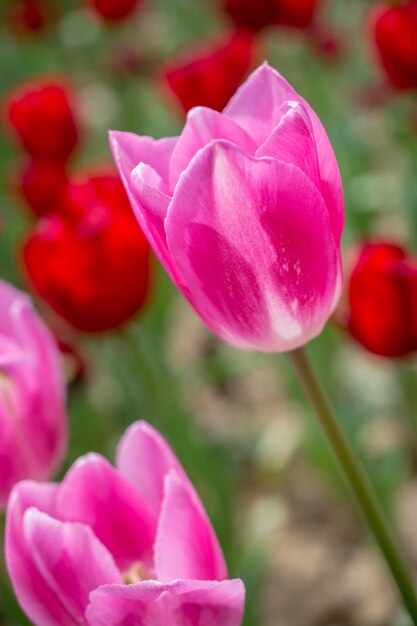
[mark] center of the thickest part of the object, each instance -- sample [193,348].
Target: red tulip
[29,16]
[42,184]
[210,77]
[91,264]
[41,115]
[395,29]
[383,300]
[114,10]
[256,14]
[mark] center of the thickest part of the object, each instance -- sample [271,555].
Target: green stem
[356,478]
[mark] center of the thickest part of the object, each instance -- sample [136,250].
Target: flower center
[135,574]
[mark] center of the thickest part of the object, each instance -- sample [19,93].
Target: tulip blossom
[41,114]
[42,184]
[395,29]
[114,10]
[119,546]
[257,15]
[91,262]
[210,76]
[33,422]
[382,299]
[245,212]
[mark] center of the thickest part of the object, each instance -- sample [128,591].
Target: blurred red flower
[42,184]
[326,42]
[209,77]
[91,263]
[29,16]
[395,30]
[257,14]
[114,10]
[41,114]
[382,297]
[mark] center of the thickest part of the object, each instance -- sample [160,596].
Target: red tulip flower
[210,77]
[29,16]
[91,263]
[114,10]
[257,14]
[41,114]
[395,29]
[383,300]
[42,184]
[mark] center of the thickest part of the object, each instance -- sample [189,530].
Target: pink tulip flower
[119,547]
[245,212]
[33,423]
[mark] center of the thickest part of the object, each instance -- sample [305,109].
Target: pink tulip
[117,547]
[33,426]
[245,212]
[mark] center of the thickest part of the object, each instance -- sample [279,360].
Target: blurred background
[70,70]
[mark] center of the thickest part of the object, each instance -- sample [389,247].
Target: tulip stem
[356,478]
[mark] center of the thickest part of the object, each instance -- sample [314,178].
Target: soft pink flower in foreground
[245,212]
[130,546]
[33,426]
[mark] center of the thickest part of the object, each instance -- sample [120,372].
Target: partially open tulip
[395,28]
[41,114]
[91,263]
[33,427]
[42,184]
[245,212]
[382,299]
[114,10]
[256,14]
[119,546]
[209,76]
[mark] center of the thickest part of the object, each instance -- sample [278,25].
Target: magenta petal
[202,126]
[292,141]
[146,187]
[130,149]
[144,458]
[181,603]
[94,493]
[33,444]
[259,116]
[35,596]
[70,559]
[186,545]
[253,240]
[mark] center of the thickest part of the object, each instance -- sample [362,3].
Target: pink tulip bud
[33,427]
[245,212]
[118,546]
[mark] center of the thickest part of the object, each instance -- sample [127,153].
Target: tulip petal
[259,116]
[40,432]
[144,458]
[293,142]
[253,240]
[142,179]
[186,545]
[70,559]
[130,149]
[36,598]
[94,493]
[194,603]
[204,125]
